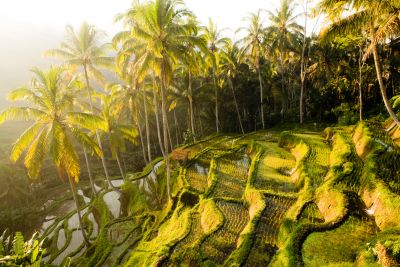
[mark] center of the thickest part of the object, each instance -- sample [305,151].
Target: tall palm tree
[159,35]
[129,95]
[380,18]
[283,34]
[50,99]
[230,61]
[253,49]
[81,49]
[116,132]
[192,60]
[212,35]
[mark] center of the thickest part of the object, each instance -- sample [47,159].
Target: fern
[18,244]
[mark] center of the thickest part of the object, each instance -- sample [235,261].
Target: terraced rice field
[193,236]
[317,163]
[232,176]
[220,245]
[275,169]
[197,175]
[265,242]
[182,237]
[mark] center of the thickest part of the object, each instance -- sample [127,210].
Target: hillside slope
[296,198]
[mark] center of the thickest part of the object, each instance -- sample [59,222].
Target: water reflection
[112,201]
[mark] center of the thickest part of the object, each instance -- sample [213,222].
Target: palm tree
[159,37]
[116,132]
[283,33]
[230,61]
[253,48]
[192,60]
[81,49]
[50,100]
[129,97]
[379,18]
[212,35]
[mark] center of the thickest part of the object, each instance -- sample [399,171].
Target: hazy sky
[29,27]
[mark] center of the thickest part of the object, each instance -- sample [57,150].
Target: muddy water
[61,239]
[73,221]
[144,183]
[85,198]
[76,241]
[118,183]
[201,169]
[48,221]
[112,201]
[95,231]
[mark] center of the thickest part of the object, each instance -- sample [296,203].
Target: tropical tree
[116,132]
[193,61]
[50,99]
[379,19]
[129,94]
[159,38]
[229,64]
[212,35]
[283,34]
[82,49]
[253,50]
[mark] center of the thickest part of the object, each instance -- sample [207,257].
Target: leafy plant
[15,252]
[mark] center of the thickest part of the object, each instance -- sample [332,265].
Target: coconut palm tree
[212,35]
[193,61]
[82,49]
[50,99]
[116,132]
[159,35]
[380,19]
[229,64]
[253,50]
[283,34]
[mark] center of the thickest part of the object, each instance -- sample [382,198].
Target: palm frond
[24,141]
[86,121]
[20,113]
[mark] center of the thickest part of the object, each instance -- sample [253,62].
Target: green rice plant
[339,246]
[217,247]
[196,175]
[275,168]
[170,233]
[231,172]
[311,214]
[265,241]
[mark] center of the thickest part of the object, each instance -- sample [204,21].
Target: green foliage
[21,253]
[347,114]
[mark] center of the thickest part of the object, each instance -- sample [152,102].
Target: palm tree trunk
[89,172]
[155,103]
[177,130]
[146,118]
[103,161]
[165,132]
[191,106]
[236,105]
[216,101]
[380,81]
[169,136]
[261,98]
[302,70]
[78,210]
[282,80]
[136,120]
[201,125]
[120,166]
[360,64]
